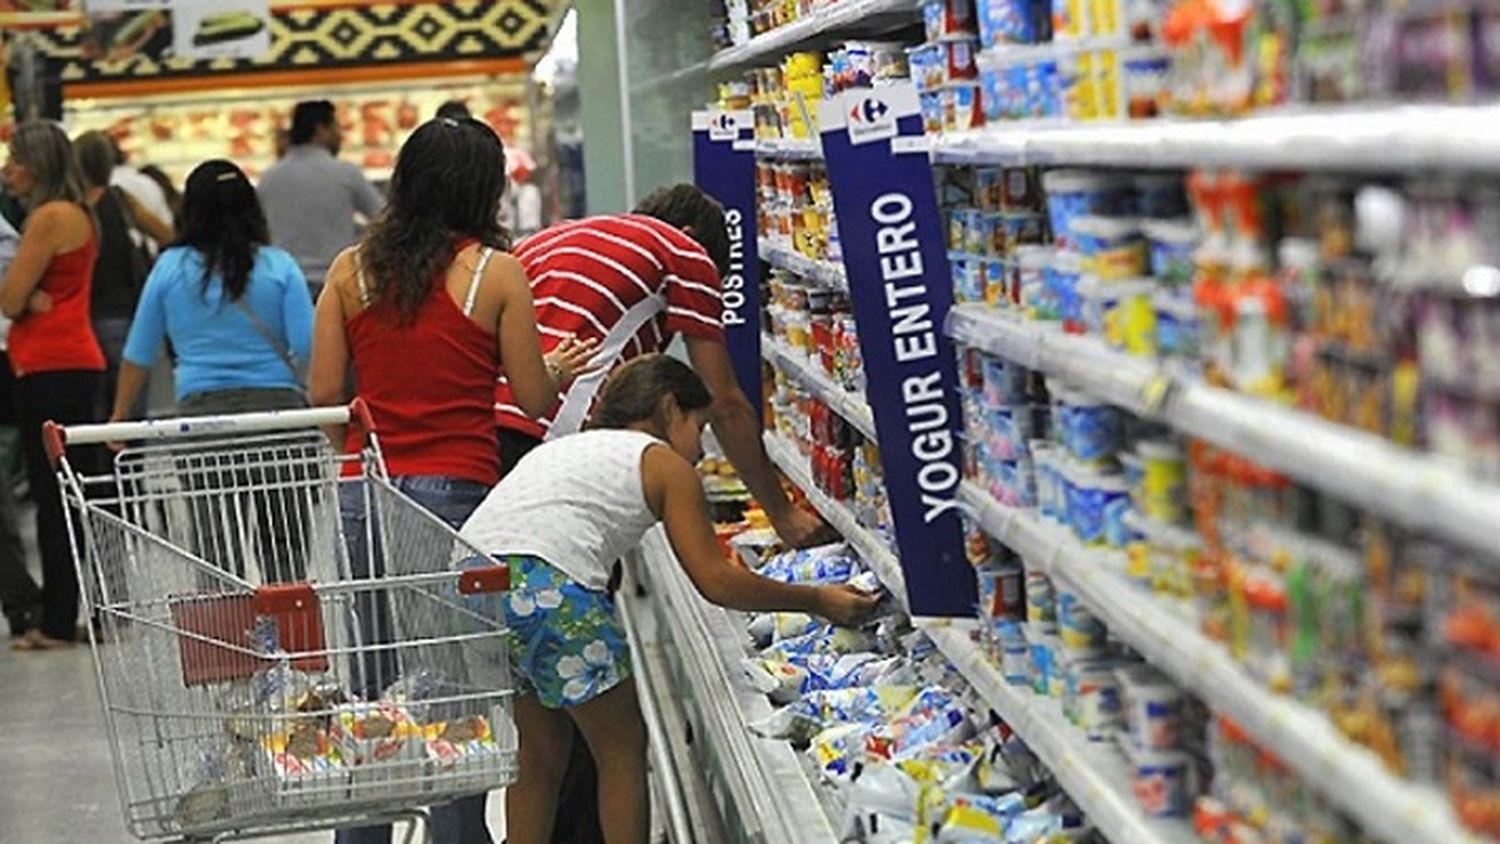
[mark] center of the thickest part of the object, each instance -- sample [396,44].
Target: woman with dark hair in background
[426,309]
[235,308]
[53,350]
[240,319]
[169,190]
[121,268]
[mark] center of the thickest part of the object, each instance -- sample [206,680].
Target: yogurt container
[1170,247]
[1113,248]
[1078,193]
[1161,780]
[1091,430]
[1153,707]
[1092,698]
[1080,630]
[1094,502]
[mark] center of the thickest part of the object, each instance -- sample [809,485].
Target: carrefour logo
[870,118]
[723,127]
[869,110]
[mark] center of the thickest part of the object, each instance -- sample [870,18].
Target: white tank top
[576,502]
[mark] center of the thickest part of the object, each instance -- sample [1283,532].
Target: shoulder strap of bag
[265,331]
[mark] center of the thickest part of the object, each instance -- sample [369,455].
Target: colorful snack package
[828,640]
[932,717]
[465,738]
[838,750]
[773,627]
[815,711]
[782,682]
[369,733]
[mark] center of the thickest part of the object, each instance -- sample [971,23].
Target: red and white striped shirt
[630,281]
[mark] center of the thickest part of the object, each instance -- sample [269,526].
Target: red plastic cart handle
[494,578]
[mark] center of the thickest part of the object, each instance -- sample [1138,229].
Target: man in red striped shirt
[633,282]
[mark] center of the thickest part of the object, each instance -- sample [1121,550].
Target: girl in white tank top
[561,519]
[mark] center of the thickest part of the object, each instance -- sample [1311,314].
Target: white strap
[359,278]
[580,396]
[484,260]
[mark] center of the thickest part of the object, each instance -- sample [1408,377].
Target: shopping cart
[255,677]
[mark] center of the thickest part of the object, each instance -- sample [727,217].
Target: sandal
[35,640]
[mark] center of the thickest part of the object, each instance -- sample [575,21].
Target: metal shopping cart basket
[256,676]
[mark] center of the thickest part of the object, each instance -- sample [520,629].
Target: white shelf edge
[851,406]
[869,545]
[1385,138]
[826,21]
[1423,491]
[1094,774]
[714,649]
[1350,776]
[789,149]
[823,272]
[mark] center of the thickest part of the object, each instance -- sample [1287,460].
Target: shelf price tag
[724,167]
[900,289]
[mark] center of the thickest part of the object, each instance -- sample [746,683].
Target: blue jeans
[452,500]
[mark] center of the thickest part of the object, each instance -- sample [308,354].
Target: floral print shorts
[566,645]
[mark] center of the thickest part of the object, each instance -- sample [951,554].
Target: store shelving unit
[1385,806]
[865,541]
[762,789]
[1416,489]
[1093,774]
[783,256]
[1386,139]
[845,18]
[851,406]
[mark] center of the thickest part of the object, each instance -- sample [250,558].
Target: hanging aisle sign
[900,289]
[724,168]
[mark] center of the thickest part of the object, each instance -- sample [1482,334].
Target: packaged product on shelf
[815,711]
[946,19]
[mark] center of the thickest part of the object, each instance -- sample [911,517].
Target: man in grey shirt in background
[311,197]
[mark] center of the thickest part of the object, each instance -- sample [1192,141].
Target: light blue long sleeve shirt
[217,345]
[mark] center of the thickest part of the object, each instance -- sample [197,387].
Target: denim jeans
[452,500]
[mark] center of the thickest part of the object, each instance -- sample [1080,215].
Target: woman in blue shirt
[237,310]
[239,315]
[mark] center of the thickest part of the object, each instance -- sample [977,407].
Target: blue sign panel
[896,258]
[724,167]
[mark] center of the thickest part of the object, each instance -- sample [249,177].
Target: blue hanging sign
[895,256]
[724,167]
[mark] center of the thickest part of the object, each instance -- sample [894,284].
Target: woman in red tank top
[55,356]
[427,309]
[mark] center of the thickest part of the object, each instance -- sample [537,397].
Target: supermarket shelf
[1093,774]
[841,19]
[784,257]
[869,545]
[770,796]
[1351,777]
[789,149]
[1389,138]
[1419,490]
[851,406]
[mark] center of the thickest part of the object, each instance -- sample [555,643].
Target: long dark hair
[448,183]
[635,390]
[223,220]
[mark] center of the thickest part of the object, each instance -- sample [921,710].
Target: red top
[429,386]
[63,338]
[587,275]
